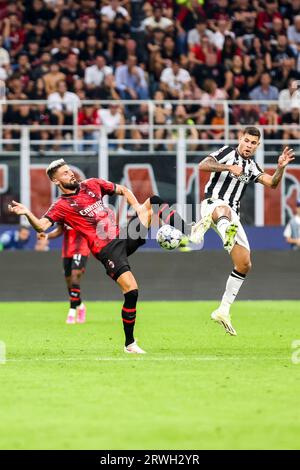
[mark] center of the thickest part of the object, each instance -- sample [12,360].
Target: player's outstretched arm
[212,165]
[272,181]
[131,199]
[40,225]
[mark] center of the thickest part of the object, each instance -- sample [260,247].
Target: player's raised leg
[129,288]
[168,215]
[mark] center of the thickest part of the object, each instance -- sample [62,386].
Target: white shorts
[207,208]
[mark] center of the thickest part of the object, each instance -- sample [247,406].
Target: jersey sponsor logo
[93,209]
[90,193]
[244,177]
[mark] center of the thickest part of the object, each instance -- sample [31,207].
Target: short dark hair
[252,131]
[54,166]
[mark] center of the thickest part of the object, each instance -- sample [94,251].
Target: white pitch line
[148,358]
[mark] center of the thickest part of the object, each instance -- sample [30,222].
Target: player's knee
[221,211]
[75,277]
[244,266]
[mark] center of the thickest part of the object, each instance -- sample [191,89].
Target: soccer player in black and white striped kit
[232,169]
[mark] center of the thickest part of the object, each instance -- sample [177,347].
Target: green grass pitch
[72,387]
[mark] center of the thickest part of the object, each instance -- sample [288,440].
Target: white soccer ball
[168,237]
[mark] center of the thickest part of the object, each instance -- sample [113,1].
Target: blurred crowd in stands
[67,51]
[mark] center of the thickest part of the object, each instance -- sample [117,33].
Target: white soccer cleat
[230,236]
[133,348]
[200,228]
[223,318]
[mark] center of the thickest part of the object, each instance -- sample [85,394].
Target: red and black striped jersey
[73,243]
[85,212]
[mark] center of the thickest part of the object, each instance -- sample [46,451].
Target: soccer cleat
[70,320]
[224,319]
[133,348]
[200,228]
[230,235]
[183,245]
[81,313]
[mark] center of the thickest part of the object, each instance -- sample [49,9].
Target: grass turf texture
[72,387]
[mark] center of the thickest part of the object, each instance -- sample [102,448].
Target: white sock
[222,224]
[72,312]
[233,285]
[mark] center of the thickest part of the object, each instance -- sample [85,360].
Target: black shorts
[114,256]
[77,262]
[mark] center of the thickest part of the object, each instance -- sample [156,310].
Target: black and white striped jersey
[223,185]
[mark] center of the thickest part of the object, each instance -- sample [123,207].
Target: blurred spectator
[95,74]
[246,115]
[72,70]
[141,120]
[53,77]
[157,21]
[223,29]
[114,8]
[112,119]
[89,51]
[265,91]
[292,119]
[189,14]
[289,97]
[131,81]
[13,34]
[271,118]
[173,79]
[230,49]
[87,116]
[4,59]
[108,90]
[42,244]
[283,58]
[212,93]
[293,34]
[210,69]
[266,16]
[62,104]
[119,32]
[215,117]
[196,34]
[162,116]
[219,9]
[15,239]
[181,118]
[236,83]
[292,230]
[64,48]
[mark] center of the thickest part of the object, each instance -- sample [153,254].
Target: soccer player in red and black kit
[75,253]
[81,207]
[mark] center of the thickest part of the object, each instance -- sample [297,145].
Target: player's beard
[74,185]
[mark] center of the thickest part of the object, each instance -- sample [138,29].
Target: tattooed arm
[273,181]
[212,165]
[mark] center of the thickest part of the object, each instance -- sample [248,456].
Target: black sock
[75,299]
[169,215]
[129,314]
